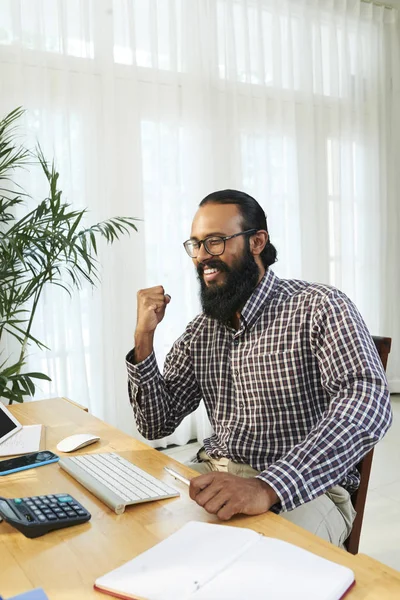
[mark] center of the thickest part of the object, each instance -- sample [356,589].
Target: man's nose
[202,254]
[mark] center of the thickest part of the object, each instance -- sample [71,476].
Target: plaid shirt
[298,392]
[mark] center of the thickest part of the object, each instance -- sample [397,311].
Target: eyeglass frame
[221,237]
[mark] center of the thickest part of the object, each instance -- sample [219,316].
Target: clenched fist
[151,305]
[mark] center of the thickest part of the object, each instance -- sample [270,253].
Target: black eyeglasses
[214,244]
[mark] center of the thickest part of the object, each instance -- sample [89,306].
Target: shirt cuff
[140,373]
[288,484]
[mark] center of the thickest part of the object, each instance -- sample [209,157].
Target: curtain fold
[149,105]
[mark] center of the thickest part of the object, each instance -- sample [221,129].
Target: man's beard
[223,301]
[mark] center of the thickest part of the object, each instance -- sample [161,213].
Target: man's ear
[258,241]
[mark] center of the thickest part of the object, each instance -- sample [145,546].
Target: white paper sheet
[24,441]
[203,561]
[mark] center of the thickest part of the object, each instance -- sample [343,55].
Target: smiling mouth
[210,271]
[209,274]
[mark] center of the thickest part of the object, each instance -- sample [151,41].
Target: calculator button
[26,499]
[43,497]
[51,497]
[29,503]
[64,499]
[52,517]
[17,500]
[81,512]
[42,518]
[46,501]
[61,515]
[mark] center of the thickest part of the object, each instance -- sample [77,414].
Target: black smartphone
[28,461]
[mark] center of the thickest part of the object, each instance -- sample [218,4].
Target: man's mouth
[210,273]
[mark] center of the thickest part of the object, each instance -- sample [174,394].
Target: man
[292,383]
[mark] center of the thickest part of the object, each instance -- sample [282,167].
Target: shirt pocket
[277,380]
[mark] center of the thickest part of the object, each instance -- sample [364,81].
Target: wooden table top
[65,563]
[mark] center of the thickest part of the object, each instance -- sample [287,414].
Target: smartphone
[28,461]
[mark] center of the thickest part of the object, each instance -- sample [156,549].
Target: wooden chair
[383,345]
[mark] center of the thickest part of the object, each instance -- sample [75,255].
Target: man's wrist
[272,495]
[143,345]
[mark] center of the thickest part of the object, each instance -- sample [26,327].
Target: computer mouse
[74,442]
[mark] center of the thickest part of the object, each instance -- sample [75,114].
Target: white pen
[177,475]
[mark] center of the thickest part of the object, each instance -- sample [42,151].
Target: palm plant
[48,245]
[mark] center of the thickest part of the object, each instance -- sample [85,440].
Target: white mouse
[74,442]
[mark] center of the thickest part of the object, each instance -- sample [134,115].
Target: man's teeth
[209,271]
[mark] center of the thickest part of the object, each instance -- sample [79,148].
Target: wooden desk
[67,562]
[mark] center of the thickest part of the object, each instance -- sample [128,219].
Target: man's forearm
[143,345]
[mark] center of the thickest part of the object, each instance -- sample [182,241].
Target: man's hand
[151,305]
[226,495]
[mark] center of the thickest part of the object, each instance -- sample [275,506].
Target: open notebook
[217,562]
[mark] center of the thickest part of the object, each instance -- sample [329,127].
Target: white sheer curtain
[148,105]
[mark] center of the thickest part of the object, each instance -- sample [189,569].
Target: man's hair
[252,213]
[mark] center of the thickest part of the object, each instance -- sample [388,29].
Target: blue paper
[37,594]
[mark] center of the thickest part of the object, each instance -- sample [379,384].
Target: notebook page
[175,567]
[274,569]
[24,441]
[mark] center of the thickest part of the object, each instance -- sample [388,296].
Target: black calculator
[37,515]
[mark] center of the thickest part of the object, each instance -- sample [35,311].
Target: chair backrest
[383,345]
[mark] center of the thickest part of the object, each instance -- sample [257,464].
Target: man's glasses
[214,244]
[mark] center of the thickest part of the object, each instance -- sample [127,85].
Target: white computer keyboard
[115,480]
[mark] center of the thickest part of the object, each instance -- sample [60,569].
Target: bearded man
[289,374]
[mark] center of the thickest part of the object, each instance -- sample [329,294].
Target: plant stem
[30,322]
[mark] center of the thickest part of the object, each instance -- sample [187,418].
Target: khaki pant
[329,516]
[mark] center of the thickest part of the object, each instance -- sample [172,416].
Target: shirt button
[241,404]
[235,342]
[236,372]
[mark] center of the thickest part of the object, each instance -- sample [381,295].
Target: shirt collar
[261,295]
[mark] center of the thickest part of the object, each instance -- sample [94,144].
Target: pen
[177,475]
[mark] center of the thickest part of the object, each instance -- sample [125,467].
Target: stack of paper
[24,441]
